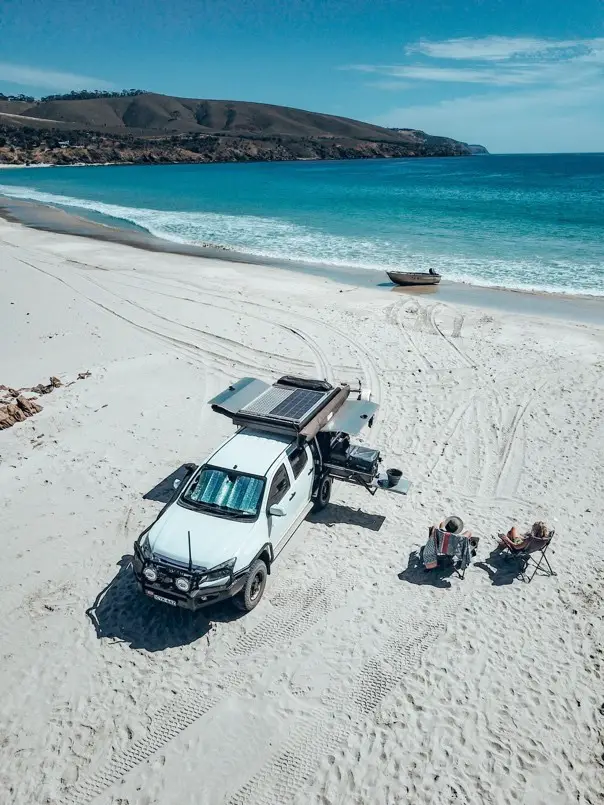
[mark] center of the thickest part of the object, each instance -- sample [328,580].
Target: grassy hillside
[153,113]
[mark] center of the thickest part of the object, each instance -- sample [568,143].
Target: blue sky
[515,75]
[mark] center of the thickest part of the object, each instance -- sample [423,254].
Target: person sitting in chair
[514,537]
[517,541]
[450,539]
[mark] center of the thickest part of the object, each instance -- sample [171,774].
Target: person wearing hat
[454,525]
[450,539]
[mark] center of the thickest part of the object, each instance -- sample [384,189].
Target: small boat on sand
[405,278]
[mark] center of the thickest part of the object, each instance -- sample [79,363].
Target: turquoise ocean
[527,222]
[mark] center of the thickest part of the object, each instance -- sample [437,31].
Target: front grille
[166,576]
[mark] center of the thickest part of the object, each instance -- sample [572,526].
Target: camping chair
[524,551]
[458,548]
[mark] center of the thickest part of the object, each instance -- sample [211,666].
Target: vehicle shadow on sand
[122,613]
[336,514]
[164,491]
[416,573]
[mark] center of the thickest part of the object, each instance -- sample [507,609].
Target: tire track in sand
[458,324]
[322,361]
[414,349]
[505,487]
[231,347]
[296,611]
[345,710]
[451,427]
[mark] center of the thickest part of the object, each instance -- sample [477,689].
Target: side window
[279,486]
[298,459]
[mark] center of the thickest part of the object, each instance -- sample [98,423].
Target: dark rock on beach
[15,407]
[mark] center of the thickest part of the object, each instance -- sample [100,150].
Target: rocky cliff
[477,149]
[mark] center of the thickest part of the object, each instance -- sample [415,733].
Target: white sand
[348,684]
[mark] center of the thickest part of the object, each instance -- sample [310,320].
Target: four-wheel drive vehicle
[230,517]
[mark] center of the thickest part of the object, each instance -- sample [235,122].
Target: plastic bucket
[394,476]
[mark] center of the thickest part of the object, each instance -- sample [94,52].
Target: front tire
[250,596]
[323,494]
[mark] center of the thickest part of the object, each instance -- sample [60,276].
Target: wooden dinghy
[404,278]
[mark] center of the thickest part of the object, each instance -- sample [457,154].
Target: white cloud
[514,74]
[50,79]
[496,61]
[457,75]
[394,85]
[489,48]
[462,75]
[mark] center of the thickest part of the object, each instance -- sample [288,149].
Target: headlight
[220,573]
[150,573]
[218,582]
[182,584]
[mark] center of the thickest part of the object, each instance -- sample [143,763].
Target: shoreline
[68,165]
[47,218]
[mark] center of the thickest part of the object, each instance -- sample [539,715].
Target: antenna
[190,558]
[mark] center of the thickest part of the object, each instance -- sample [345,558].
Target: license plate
[163,600]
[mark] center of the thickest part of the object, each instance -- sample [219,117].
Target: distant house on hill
[63,143]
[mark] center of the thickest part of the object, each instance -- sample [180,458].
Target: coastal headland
[148,128]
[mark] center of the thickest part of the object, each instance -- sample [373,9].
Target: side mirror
[276,511]
[176,483]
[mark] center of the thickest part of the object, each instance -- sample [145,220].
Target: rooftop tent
[292,405]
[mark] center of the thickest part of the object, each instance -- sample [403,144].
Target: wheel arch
[266,554]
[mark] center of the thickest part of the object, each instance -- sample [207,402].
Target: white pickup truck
[230,518]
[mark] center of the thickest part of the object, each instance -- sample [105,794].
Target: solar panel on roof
[289,404]
[298,404]
[268,400]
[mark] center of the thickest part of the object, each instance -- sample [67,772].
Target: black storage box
[363,459]
[352,458]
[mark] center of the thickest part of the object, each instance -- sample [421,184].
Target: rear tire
[323,494]
[250,596]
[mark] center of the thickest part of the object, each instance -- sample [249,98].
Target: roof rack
[293,406]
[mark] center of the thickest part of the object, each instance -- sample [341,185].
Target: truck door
[302,471]
[279,495]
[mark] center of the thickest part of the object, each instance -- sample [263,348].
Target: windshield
[225,492]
